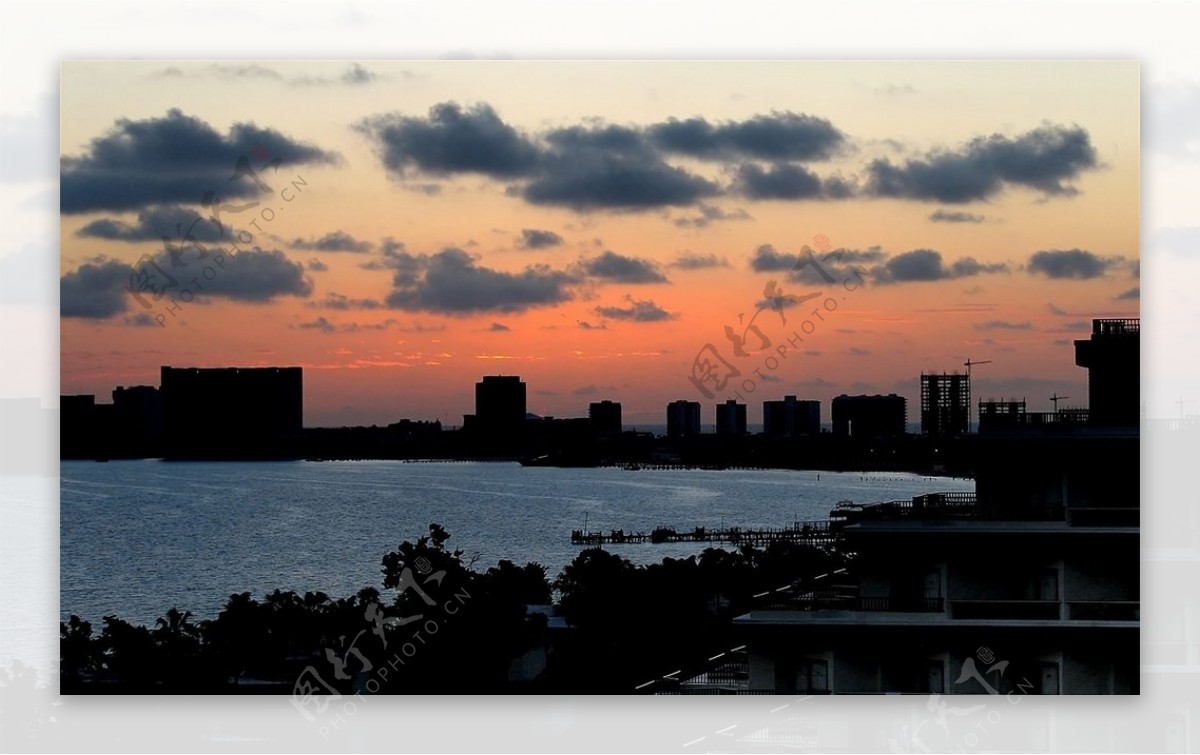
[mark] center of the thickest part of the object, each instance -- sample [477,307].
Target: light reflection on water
[138,537]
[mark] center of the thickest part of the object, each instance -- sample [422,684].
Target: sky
[401,229]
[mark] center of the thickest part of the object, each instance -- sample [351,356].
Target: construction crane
[1055,399]
[968,364]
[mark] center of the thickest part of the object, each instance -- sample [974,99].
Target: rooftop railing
[1115,326]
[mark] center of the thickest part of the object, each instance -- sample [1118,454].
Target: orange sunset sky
[592,226]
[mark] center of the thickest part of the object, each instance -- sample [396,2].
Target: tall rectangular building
[945,404]
[230,412]
[500,402]
[731,418]
[870,416]
[789,418]
[683,419]
[605,416]
[1112,359]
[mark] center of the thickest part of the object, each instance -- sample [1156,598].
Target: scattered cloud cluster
[1071,264]
[1045,159]
[175,159]
[335,241]
[603,166]
[100,288]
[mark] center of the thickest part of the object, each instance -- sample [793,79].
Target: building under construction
[945,404]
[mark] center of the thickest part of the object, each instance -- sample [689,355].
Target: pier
[818,531]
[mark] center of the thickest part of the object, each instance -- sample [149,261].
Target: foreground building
[1030,585]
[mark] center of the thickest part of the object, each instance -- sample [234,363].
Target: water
[139,537]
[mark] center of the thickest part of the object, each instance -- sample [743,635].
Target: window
[812,675]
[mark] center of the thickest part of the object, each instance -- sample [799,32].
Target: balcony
[845,602]
[1005,609]
[1104,610]
[1104,516]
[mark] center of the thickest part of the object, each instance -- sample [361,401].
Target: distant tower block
[790,418]
[945,404]
[605,416]
[1111,357]
[683,419]
[731,418]
[500,402]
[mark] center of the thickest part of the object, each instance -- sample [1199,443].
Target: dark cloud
[141,320]
[533,238]
[325,326]
[583,325]
[639,310]
[257,275]
[594,170]
[1004,325]
[335,241]
[320,324]
[1071,264]
[767,259]
[356,74]
[788,181]
[617,268]
[449,140]
[96,290]
[950,216]
[710,214]
[855,351]
[452,282]
[317,266]
[778,136]
[172,222]
[498,328]
[342,302]
[1132,294]
[689,261]
[174,159]
[1044,159]
[839,264]
[921,265]
[101,288]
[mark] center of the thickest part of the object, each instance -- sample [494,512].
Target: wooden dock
[819,531]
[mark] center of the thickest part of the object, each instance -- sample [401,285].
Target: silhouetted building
[1112,359]
[500,403]
[683,419]
[231,412]
[870,416]
[605,416]
[945,404]
[731,418]
[790,418]
[1000,415]
[138,423]
[78,432]
[1042,559]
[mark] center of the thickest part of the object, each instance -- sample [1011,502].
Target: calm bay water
[138,537]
